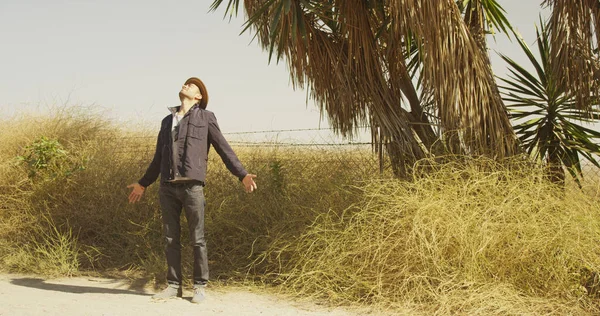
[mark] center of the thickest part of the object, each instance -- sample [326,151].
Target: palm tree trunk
[417,116]
[556,173]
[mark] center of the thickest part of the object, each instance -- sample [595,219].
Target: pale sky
[130,58]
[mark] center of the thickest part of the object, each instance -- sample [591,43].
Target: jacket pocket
[197,131]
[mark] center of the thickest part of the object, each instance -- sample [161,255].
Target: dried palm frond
[358,59]
[456,73]
[331,48]
[574,37]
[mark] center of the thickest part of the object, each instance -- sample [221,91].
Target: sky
[130,58]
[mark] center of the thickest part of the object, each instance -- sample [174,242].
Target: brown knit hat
[204,101]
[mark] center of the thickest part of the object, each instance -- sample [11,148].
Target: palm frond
[358,59]
[573,58]
[455,69]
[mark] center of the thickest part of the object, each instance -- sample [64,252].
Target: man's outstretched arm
[227,154]
[150,176]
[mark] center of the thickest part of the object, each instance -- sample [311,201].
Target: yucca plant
[546,119]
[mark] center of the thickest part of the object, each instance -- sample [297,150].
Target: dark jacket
[198,130]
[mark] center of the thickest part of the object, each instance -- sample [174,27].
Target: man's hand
[249,184]
[137,192]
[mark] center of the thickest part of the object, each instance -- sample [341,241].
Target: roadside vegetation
[462,235]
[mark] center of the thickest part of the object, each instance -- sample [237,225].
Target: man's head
[194,89]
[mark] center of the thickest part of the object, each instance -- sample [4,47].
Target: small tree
[547,116]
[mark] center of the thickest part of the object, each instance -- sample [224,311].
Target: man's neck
[186,105]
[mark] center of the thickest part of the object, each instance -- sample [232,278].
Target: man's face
[190,91]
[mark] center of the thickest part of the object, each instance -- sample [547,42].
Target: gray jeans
[190,197]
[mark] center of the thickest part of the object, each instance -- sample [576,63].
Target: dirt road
[27,295]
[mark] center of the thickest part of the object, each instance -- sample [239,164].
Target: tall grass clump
[295,185]
[61,204]
[475,237]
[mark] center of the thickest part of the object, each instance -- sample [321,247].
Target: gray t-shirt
[176,118]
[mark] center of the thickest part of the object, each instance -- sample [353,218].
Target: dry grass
[82,197]
[469,238]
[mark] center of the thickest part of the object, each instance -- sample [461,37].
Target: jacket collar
[175,109]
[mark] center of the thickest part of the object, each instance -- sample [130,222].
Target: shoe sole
[158,299]
[166,299]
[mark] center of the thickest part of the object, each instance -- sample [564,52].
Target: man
[181,159]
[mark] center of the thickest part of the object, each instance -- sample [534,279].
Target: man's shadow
[135,288]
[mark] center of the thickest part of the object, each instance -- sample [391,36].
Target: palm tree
[358,59]
[546,115]
[574,32]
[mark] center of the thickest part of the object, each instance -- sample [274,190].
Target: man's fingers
[134,197]
[249,184]
[250,188]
